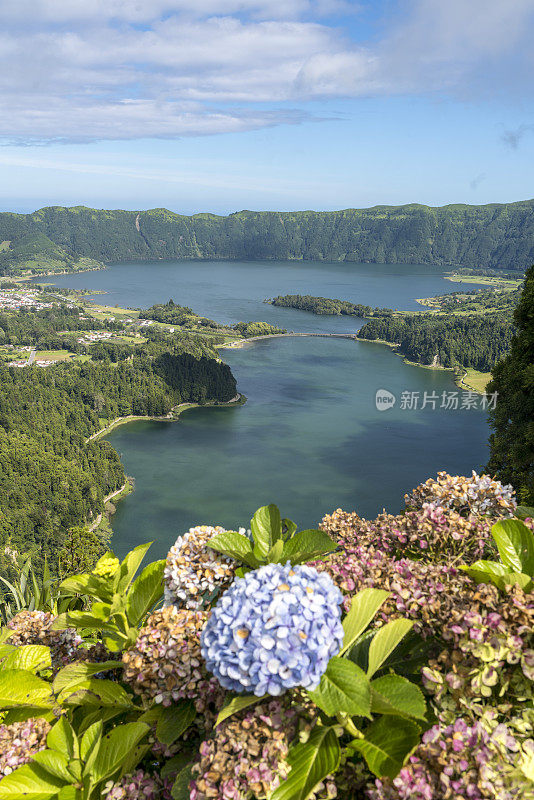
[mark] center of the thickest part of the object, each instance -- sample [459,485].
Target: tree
[512,420]
[82,549]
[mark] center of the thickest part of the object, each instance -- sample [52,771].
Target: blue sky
[220,105]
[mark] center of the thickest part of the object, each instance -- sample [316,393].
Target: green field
[509,284]
[476,380]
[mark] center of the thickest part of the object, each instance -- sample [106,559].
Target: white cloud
[107,69]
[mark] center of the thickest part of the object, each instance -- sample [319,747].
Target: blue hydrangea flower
[275,628]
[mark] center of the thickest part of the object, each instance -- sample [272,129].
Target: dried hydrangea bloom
[139,785]
[459,761]
[421,591]
[20,741]
[489,657]
[478,494]
[438,533]
[34,627]
[246,758]
[193,571]
[165,664]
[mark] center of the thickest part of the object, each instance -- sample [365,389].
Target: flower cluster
[20,741]
[438,533]
[246,756]
[423,592]
[460,761]
[165,664]
[193,571]
[478,494]
[34,627]
[107,567]
[489,657]
[274,629]
[139,785]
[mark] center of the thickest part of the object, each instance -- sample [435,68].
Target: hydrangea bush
[461,761]
[358,661]
[433,532]
[478,494]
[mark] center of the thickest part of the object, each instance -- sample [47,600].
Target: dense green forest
[447,340]
[184,317]
[327,306]
[512,420]
[50,478]
[496,236]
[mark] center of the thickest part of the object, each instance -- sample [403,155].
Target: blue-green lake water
[310,437]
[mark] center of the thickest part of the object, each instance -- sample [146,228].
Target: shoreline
[173,415]
[20,278]
[128,486]
[239,343]
[459,379]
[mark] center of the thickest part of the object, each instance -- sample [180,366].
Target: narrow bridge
[283,335]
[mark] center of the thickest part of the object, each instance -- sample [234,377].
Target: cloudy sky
[221,105]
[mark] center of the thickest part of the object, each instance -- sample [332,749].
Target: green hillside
[491,236]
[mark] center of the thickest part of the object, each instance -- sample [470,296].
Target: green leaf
[485,571]
[344,687]
[146,590]
[22,713]
[30,782]
[90,744]
[274,556]
[6,649]
[288,528]
[133,758]
[498,574]
[266,526]
[363,609]
[55,764]
[174,720]
[234,545]
[515,543]
[408,658]
[96,692]
[176,763]
[524,512]
[115,746]
[180,789]
[31,657]
[235,704]
[385,641]
[307,546]
[82,584]
[70,793]
[130,565]
[21,688]
[387,742]
[310,762]
[78,619]
[393,694]
[62,738]
[81,671]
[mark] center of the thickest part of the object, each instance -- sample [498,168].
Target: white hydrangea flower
[193,571]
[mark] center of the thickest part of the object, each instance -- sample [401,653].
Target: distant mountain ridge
[491,236]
